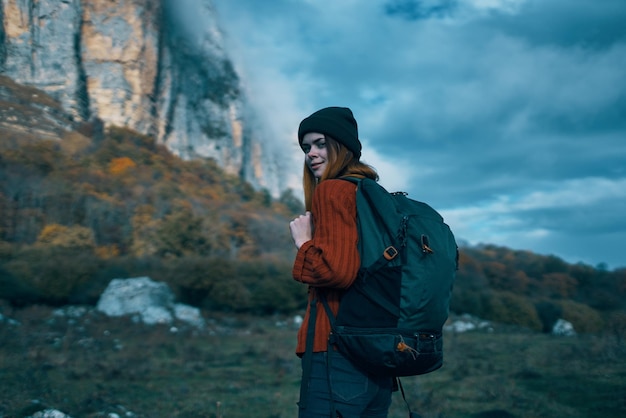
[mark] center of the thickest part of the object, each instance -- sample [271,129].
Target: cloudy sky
[508,116]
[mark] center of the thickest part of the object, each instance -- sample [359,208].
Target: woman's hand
[302,229]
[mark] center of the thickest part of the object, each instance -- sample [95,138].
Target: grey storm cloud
[507,115]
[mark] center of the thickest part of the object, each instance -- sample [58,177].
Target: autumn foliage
[76,213]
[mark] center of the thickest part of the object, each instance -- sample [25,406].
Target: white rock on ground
[152,302]
[49,413]
[563,327]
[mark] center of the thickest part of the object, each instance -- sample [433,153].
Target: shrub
[229,295]
[75,236]
[15,291]
[52,275]
[193,278]
[510,308]
[275,290]
[180,234]
[120,165]
[255,286]
[274,295]
[468,301]
[583,318]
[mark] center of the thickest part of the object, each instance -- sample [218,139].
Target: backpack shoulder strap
[308,351]
[329,312]
[374,202]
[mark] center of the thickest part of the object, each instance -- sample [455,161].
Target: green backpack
[390,320]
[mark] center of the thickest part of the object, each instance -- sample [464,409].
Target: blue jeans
[355,393]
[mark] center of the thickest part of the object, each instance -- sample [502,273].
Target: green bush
[229,295]
[15,291]
[278,295]
[583,318]
[193,278]
[468,301]
[180,234]
[272,287]
[257,286]
[510,308]
[52,275]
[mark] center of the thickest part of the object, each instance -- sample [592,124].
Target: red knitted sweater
[331,259]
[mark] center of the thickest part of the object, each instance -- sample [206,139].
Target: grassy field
[91,365]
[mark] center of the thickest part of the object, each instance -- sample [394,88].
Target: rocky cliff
[155,66]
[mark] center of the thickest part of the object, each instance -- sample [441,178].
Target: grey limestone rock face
[152,66]
[40,48]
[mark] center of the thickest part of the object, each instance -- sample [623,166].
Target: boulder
[467,323]
[188,314]
[563,327]
[49,413]
[149,301]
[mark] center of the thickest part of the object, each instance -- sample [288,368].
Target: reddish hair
[341,162]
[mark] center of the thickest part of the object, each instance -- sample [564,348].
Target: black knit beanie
[337,122]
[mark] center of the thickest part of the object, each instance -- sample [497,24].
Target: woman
[328,261]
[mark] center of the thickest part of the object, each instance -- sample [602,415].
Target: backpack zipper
[402,232]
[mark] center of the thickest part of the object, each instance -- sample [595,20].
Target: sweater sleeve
[331,258]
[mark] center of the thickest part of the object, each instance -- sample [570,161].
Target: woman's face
[315,153]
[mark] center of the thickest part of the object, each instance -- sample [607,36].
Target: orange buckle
[390,253]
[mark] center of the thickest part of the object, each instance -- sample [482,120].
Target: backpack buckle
[390,253]
[426,245]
